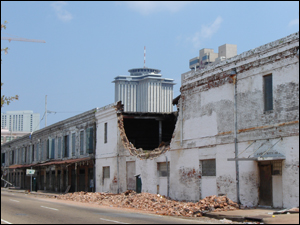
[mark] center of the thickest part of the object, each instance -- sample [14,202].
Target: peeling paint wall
[206,124]
[205,129]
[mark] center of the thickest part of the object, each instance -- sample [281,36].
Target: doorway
[265,188]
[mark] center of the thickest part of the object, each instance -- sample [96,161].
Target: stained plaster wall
[207,107]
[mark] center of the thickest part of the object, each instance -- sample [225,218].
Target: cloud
[294,22]
[205,32]
[148,7]
[61,13]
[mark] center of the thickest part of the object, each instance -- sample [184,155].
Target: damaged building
[128,140]
[237,133]
[61,155]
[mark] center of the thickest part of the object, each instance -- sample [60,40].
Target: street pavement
[83,214]
[24,208]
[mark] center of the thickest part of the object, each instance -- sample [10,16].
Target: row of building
[235,133]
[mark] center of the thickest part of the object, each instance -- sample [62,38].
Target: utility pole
[45,110]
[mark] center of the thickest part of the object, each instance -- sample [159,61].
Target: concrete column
[45,178]
[67,177]
[50,179]
[76,180]
[61,178]
[55,183]
[86,176]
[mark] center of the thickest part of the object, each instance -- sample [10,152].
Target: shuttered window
[37,152]
[209,167]
[48,149]
[73,144]
[268,92]
[52,149]
[81,142]
[66,146]
[90,140]
[59,148]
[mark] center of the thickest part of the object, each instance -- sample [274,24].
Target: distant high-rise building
[144,91]
[25,121]
[207,56]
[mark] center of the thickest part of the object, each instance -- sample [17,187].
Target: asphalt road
[25,209]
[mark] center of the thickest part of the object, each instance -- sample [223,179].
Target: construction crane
[22,39]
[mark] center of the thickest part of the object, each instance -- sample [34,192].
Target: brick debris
[154,202]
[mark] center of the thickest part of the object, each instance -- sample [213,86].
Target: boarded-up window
[268,92]
[81,142]
[209,167]
[90,140]
[73,144]
[105,133]
[106,172]
[163,171]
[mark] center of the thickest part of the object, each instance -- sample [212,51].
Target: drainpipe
[118,172]
[168,178]
[181,122]
[234,77]
[118,180]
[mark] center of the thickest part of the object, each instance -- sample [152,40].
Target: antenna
[144,56]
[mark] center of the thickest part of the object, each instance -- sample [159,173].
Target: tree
[5,100]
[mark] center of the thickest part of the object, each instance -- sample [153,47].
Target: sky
[88,44]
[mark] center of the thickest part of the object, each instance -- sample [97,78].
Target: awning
[68,161]
[262,155]
[54,162]
[258,158]
[21,166]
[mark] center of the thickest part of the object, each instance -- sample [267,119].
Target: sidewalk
[258,215]
[39,192]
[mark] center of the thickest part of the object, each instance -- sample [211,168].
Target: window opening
[277,168]
[105,133]
[89,140]
[209,167]
[106,172]
[81,142]
[73,144]
[268,92]
[66,146]
[162,169]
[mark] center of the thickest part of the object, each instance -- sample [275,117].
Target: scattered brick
[154,202]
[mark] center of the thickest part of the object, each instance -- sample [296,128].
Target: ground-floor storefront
[57,176]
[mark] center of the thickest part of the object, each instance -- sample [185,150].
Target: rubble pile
[154,202]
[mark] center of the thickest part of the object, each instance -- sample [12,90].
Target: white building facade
[236,134]
[24,121]
[144,91]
